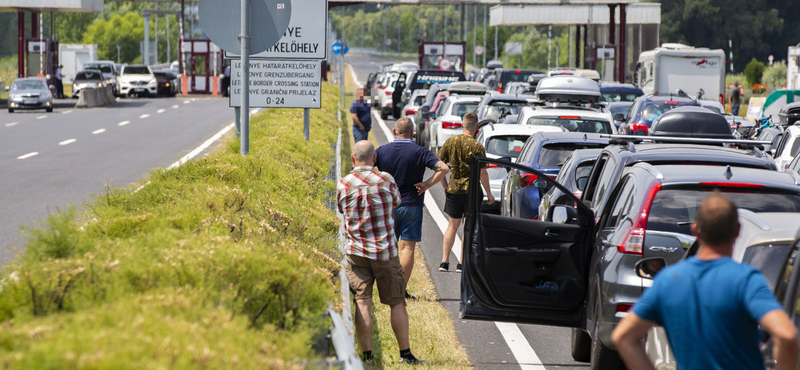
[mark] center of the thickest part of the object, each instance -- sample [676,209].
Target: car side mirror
[563,214]
[425,109]
[619,117]
[648,268]
[540,184]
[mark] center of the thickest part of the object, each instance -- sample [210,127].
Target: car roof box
[568,89]
[494,64]
[466,88]
[690,121]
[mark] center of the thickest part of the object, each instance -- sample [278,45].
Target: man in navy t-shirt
[709,305]
[362,116]
[406,162]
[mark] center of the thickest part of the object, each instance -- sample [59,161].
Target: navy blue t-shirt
[364,113]
[406,162]
[710,311]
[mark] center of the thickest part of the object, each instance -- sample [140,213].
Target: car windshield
[617,96]
[517,76]
[573,124]
[104,68]
[135,71]
[460,109]
[28,85]
[768,258]
[619,110]
[88,76]
[553,155]
[673,209]
[655,110]
[506,146]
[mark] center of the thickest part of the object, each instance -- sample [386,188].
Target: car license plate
[30,101]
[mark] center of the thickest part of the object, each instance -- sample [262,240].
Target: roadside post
[287,73]
[221,24]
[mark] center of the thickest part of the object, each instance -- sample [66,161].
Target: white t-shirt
[58,73]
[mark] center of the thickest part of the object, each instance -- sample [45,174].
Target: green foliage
[775,75]
[128,29]
[754,71]
[225,262]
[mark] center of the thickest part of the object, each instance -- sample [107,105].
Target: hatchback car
[86,79]
[787,147]
[448,121]
[29,93]
[646,109]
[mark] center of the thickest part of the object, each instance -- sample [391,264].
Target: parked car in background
[615,92]
[646,109]
[168,83]
[619,112]
[421,79]
[518,88]
[414,104]
[137,80]
[573,119]
[502,77]
[87,79]
[29,93]
[108,69]
[448,122]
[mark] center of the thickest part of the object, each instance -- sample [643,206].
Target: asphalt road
[81,151]
[488,345]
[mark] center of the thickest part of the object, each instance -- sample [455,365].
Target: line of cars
[584,196]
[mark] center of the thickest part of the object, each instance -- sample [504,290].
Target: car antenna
[728,173]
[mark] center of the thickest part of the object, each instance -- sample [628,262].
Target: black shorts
[454,204]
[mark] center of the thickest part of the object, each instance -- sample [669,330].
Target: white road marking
[144,116]
[161,110]
[67,111]
[187,101]
[202,147]
[100,131]
[175,106]
[12,124]
[28,155]
[523,352]
[67,142]
[355,78]
[123,123]
[42,117]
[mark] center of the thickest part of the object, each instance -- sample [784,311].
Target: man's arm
[486,188]
[784,338]
[357,121]
[628,338]
[441,171]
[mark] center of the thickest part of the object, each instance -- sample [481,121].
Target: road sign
[513,48]
[345,49]
[279,83]
[479,50]
[388,42]
[445,64]
[305,37]
[336,48]
[269,20]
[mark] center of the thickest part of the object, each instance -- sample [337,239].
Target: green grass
[225,262]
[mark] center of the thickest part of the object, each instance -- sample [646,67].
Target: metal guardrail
[342,333]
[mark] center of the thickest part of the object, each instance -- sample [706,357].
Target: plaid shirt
[366,198]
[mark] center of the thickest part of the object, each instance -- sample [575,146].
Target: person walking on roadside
[362,116]
[406,162]
[365,198]
[735,95]
[709,305]
[457,152]
[59,82]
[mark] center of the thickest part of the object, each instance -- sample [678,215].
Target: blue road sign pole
[244,37]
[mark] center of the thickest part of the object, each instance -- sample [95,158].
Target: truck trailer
[674,67]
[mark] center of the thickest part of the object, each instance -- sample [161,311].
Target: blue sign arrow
[337,47]
[345,49]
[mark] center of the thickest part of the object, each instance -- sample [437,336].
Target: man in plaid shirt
[366,198]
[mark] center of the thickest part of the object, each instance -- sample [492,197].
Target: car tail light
[721,99]
[636,126]
[732,184]
[389,104]
[569,117]
[618,90]
[633,243]
[490,165]
[451,125]
[527,179]
[624,307]
[388,93]
[518,71]
[671,102]
[410,112]
[500,89]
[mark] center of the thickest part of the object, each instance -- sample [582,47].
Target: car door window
[588,194]
[786,138]
[795,148]
[604,182]
[624,198]
[795,165]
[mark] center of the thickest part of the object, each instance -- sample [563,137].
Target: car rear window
[105,68]
[654,110]
[460,109]
[136,71]
[768,258]
[573,124]
[506,146]
[673,209]
[613,97]
[516,76]
[552,155]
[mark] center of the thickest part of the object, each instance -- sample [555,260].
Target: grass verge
[225,262]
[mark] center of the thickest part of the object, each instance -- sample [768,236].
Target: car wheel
[396,113]
[384,115]
[602,357]
[49,110]
[10,110]
[581,345]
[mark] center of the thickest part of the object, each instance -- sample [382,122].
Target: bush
[754,71]
[775,75]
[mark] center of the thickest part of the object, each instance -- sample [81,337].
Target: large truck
[674,67]
[73,57]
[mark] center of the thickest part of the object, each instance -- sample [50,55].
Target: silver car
[86,79]
[29,93]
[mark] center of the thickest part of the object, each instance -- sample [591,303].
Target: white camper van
[792,66]
[676,66]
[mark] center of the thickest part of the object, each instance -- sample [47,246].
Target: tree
[128,29]
[754,71]
[775,75]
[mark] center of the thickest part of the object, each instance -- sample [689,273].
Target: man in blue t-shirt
[406,162]
[362,116]
[709,305]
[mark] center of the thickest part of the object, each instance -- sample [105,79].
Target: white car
[384,94]
[787,148]
[503,141]
[137,80]
[414,104]
[573,119]
[448,122]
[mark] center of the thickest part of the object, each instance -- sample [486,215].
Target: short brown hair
[717,220]
[470,121]
[404,126]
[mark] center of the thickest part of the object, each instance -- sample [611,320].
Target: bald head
[404,128]
[363,153]
[717,220]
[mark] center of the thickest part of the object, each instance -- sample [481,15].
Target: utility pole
[484,35]
[549,44]
[169,51]
[119,48]
[434,25]
[399,29]
[383,18]
[474,35]
[495,42]
[155,47]
[445,22]
[244,37]
[363,20]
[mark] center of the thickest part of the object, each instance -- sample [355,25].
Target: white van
[675,66]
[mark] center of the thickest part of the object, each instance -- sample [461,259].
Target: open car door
[522,270]
[397,95]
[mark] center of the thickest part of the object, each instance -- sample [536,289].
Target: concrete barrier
[90,98]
